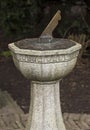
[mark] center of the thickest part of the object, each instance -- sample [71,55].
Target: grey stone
[45,68]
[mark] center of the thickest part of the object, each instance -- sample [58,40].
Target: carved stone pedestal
[45,64]
[45,111]
[45,60]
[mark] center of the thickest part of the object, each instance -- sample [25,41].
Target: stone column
[45,111]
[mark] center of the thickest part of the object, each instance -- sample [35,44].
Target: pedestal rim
[45,82]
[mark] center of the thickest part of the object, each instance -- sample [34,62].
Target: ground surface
[75,88]
[13,118]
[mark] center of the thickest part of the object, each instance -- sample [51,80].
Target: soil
[75,88]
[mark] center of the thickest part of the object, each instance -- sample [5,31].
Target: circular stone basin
[42,61]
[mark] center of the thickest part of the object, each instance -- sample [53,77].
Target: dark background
[28,18]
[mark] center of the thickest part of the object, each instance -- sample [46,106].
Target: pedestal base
[45,111]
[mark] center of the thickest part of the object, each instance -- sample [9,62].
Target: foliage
[72,24]
[19,17]
[22,17]
[5,53]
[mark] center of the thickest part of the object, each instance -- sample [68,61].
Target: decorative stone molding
[46,59]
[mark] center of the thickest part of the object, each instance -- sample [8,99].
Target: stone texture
[13,118]
[10,113]
[46,65]
[45,42]
[45,69]
[45,111]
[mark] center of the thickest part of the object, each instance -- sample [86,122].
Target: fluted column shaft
[45,111]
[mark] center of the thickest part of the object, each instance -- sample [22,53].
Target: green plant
[5,53]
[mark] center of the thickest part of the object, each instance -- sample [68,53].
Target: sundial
[45,61]
[46,40]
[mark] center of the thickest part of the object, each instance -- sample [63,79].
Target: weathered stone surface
[13,118]
[10,113]
[45,68]
[45,43]
[45,112]
[45,65]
